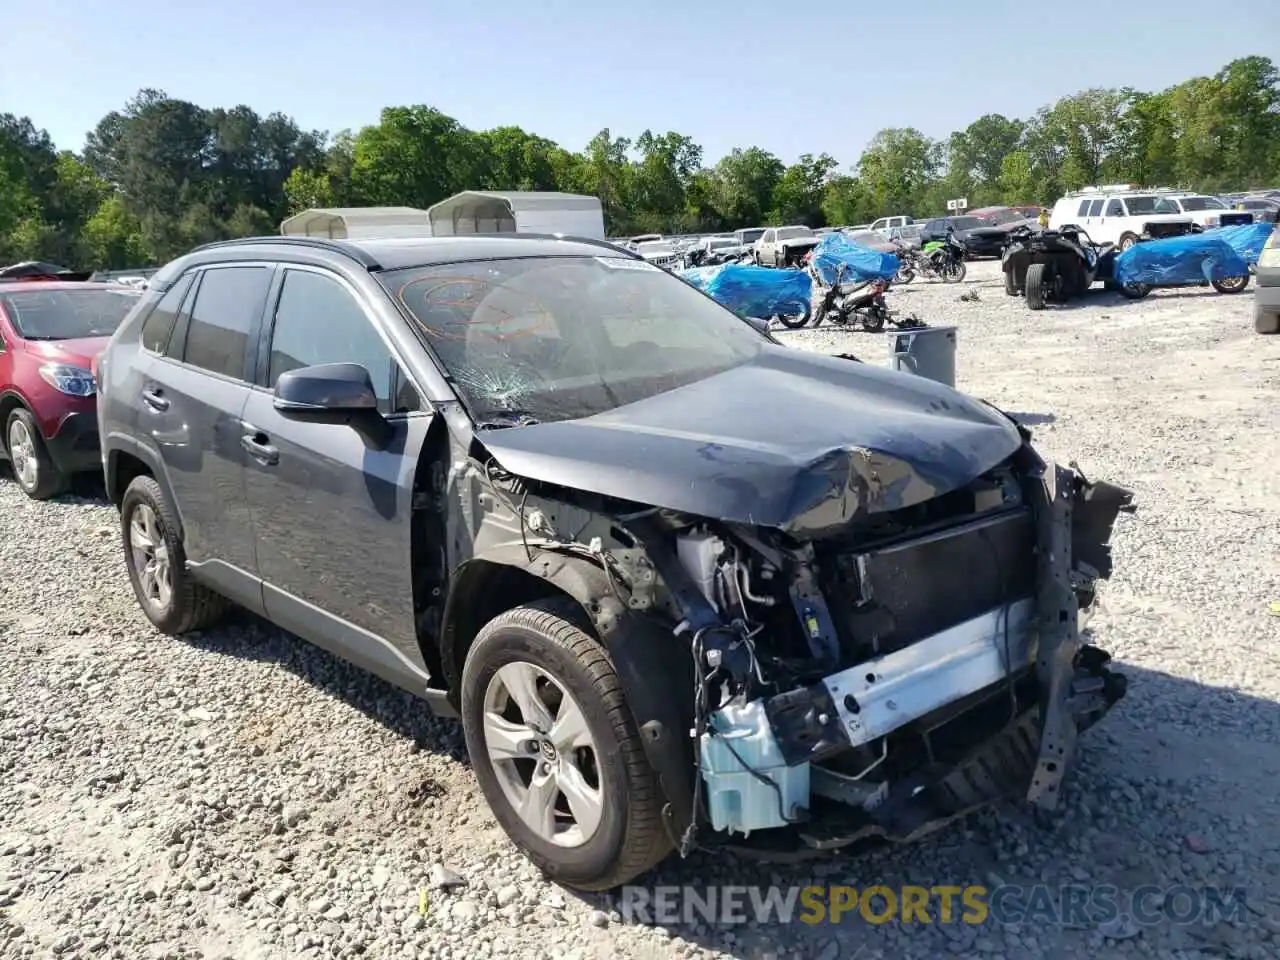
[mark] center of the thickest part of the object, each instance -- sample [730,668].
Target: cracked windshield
[542,339]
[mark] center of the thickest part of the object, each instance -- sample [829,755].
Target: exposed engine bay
[876,675]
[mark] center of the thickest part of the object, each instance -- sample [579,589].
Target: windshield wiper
[507,418]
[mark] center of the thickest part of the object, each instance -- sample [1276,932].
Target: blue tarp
[760,291]
[1175,261]
[1246,240]
[700,276]
[861,263]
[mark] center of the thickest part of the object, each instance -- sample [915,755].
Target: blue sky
[790,77]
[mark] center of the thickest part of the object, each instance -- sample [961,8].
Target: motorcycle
[862,305]
[908,264]
[1051,265]
[943,259]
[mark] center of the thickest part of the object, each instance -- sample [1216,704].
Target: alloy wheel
[22,455]
[149,555]
[543,754]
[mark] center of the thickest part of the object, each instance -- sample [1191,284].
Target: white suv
[1120,215]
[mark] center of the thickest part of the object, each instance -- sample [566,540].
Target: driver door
[332,514]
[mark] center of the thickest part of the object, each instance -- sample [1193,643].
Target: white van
[1120,214]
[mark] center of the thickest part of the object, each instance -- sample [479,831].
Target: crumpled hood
[791,440]
[77,353]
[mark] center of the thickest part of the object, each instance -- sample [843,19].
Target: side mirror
[336,393]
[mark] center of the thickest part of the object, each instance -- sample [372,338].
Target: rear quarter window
[157,329]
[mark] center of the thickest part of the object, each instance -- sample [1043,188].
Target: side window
[1095,208]
[1084,209]
[1115,208]
[317,320]
[768,237]
[158,327]
[227,304]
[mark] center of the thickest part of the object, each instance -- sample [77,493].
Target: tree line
[163,175]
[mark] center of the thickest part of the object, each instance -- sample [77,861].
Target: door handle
[155,399]
[259,449]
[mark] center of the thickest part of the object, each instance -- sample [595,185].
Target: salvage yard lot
[241,794]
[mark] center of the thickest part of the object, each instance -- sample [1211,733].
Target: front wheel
[1035,286]
[1010,287]
[954,272]
[904,275]
[555,749]
[1231,284]
[33,468]
[793,321]
[1126,241]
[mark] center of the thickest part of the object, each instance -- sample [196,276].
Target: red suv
[51,332]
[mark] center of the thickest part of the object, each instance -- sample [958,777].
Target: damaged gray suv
[684,586]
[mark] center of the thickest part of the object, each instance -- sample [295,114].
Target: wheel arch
[10,400]
[651,662]
[127,460]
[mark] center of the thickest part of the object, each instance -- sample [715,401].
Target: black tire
[629,838]
[48,481]
[1127,240]
[191,605]
[1231,284]
[778,259]
[1010,288]
[1135,291]
[955,272]
[1035,286]
[793,321]
[873,320]
[904,275]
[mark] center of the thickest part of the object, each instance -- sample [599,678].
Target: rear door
[332,512]
[191,403]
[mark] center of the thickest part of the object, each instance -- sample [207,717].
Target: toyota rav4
[525,478]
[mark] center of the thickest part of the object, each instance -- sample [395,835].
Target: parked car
[748,236]
[1263,210]
[663,253]
[939,227]
[51,330]
[885,224]
[990,241]
[784,246]
[908,237]
[513,475]
[872,239]
[1120,215]
[1266,291]
[1208,212]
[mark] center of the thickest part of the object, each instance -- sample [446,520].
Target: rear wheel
[1035,285]
[555,749]
[33,468]
[1231,284]
[157,563]
[904,275]
[873,319]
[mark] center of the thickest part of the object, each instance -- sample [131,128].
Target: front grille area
[888,597]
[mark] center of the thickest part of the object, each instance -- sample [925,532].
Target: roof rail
[316,243]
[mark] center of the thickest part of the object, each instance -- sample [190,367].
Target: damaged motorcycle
[841,304]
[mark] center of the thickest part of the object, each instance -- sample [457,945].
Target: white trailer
[352,223]
[520,211]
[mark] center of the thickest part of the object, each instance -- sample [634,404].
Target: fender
[653,665]
[115,444]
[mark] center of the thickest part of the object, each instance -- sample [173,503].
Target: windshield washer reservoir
[754,789]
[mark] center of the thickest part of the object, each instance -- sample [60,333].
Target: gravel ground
[241,794]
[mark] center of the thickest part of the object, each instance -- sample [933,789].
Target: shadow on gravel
[1173,789]
[245,636]
[86,489]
